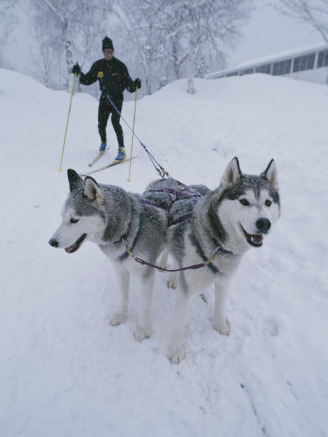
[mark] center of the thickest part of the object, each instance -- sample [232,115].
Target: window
[263,69]
[234,73]
[247,71]
[322,59]
[305,62]
[282,67]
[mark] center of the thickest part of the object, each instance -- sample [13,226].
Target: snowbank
[64,371]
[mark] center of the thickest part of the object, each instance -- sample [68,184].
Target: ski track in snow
[64,370]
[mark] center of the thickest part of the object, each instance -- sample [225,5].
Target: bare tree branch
[312,12]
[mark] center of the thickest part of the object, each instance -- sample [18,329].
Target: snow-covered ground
[64,371]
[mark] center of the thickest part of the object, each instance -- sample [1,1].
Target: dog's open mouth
[76,245]
[255,240]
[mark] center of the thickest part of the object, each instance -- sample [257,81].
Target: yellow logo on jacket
[100,74]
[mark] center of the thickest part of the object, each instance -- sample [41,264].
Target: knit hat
[107,43]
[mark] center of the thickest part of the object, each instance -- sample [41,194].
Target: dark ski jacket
[113,77]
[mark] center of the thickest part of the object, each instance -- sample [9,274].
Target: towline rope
[206,263]
[160,169]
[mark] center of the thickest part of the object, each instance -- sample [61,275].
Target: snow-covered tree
[142,26]
[214,24]
[67,30]
[160,40]
[193,25]
[7,20]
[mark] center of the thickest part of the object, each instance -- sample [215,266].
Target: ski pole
[69,111]
[134,119]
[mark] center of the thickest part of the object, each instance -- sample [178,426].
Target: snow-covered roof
[286,54]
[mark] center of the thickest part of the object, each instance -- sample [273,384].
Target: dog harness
[123,239]
[185,193]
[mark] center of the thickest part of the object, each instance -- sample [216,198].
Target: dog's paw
[223,328]
[177,355]
[142,333]
[117,319]
[172,282]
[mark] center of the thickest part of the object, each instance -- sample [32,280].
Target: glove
[76,69]
[137,83]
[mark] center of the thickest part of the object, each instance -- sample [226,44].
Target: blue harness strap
[218,248]
[124,256]
[200,252]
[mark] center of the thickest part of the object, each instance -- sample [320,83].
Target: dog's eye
[73,220]
[268,202]
[244,202]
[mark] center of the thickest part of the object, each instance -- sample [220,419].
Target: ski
[108,166]
[100,154]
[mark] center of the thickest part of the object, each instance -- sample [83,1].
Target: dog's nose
[53,243]
[263,225]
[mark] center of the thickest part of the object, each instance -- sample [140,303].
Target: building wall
[319,75]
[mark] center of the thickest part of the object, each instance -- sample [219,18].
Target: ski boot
[121,155]
[102,147]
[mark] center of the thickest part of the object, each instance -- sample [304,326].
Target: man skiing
[114,78]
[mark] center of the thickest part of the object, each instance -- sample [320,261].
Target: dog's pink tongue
[71,249]
[257,239]
[76,245]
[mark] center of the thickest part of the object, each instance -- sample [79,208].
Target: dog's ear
[271,174]
[74,179]
[231,175]
[92,190]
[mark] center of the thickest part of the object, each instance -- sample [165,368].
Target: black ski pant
[104,110]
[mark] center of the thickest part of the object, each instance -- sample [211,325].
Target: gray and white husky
[205,230]
[120,225]
[224,224]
